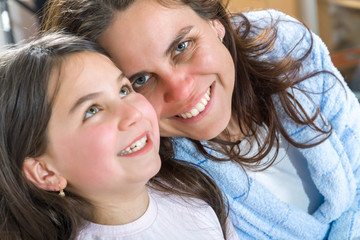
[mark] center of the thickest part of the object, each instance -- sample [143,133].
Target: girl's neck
[123,211]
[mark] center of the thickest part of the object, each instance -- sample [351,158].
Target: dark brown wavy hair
[256,80]
[27,212]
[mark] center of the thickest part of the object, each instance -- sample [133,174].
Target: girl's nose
[128,116]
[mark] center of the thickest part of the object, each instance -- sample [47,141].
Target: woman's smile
[199,107]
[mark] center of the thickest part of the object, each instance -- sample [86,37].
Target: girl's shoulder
[186,215]
[168,216]
[180,203]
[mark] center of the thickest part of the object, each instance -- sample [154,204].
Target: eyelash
[185,44]
[189,43]
[129,87]
[134,82]
[189,46]
[98,108]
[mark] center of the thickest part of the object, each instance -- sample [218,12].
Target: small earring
[61,192]
[220,38]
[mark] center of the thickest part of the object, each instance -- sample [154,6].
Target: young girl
[78,147]
[254,91]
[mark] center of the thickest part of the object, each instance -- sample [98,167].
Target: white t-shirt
[167,217]
[289,178]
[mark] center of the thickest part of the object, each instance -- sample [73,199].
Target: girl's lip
[145,149]
[202,114]
[139,137]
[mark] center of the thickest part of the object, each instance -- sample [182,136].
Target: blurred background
[19,19]
[337,22]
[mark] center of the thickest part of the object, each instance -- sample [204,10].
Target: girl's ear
[218,27]
[43,177]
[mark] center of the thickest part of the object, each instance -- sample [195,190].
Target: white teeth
[199,107]
[194,112]
[188,115]
[204,101]
[136,146]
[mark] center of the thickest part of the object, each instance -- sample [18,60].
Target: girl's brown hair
[27,212]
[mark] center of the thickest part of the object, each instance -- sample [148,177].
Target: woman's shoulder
[290,33]
[265,14]
[262,18]
[185,149]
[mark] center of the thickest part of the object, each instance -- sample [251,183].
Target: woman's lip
[202,114]
[195,101]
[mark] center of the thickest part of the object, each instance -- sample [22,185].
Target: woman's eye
[181,47]
[91,112]
[124,91]
[140,81]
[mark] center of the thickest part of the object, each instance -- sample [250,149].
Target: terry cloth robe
[334,165]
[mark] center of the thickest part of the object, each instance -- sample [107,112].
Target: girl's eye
[181,47]
[140,81]
[124,91]
[91,112]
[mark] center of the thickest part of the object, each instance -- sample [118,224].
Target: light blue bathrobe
[334,165]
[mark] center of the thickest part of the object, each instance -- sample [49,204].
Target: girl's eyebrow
[180,35]
[83,99]
[90,96]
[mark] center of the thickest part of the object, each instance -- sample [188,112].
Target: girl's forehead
[84,70]
[64,69]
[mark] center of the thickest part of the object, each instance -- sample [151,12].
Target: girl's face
[177,61]
[103,137]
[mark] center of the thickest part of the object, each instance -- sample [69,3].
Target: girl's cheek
[149,113]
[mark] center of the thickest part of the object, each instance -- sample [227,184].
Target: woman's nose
[178,88]
[129,115]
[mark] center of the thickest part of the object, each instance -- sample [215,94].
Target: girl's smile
[103,138]
[140,146]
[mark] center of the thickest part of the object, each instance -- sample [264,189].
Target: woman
[262,95]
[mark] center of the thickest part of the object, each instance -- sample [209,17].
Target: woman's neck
[123,210]
[232,132]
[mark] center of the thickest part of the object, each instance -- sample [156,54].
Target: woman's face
[103,137]
[177,61]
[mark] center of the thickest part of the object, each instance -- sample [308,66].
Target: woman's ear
[38,173]
[218,27]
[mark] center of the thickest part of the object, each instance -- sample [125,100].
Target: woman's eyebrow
[180,35]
